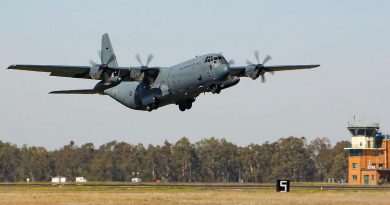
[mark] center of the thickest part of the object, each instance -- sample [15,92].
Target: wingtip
[11,66]
[316,66]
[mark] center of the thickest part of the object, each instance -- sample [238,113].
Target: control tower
[368,161]
[363,134]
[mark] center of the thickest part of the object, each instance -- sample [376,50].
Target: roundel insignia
[131,93]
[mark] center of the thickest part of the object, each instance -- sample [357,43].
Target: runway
[216,186]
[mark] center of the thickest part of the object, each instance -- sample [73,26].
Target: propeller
[148,60]
[92,63]
[146,74]
[103,66]
[260,65]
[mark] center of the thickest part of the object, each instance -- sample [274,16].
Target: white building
[81,179]
[136,180]
[58,179]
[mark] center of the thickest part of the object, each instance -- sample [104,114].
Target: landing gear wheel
[153,106]
[182,107]
[215,90]
[188,105]
[156,104]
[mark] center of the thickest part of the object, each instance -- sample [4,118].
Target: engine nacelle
[253,71]
[95,72]
[232,81]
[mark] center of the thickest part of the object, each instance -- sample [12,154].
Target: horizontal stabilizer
[87,91]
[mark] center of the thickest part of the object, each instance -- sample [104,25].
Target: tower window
[355,152]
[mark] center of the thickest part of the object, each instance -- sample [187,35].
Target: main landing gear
[185,105]
[153,106]
[215,89]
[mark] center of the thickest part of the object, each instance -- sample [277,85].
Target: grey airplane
[149,88]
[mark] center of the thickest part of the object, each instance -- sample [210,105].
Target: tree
[102,163]
[218,160]
[209,160]
[9,163]
[339,167]
[185,160]
[256,162]
[35,163]
[291,160]
[320,153]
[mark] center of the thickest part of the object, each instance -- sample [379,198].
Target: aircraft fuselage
[179,84]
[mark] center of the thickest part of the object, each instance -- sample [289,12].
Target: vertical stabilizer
[107,52]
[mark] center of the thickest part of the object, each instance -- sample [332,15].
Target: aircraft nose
[222,71]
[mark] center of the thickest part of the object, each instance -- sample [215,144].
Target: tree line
[209,160]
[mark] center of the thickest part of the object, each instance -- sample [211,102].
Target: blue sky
[350,39]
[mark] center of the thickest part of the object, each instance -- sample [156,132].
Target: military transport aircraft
[148,88]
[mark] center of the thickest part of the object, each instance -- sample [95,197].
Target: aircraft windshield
[215,59]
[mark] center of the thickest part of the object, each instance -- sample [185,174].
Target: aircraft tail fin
[107,54]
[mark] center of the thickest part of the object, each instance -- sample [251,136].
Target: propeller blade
[263,78]
[139,59]
[99,52]
[249,62]
[231,62]
[150,57]
[266,59]
[92,63]
[257,56]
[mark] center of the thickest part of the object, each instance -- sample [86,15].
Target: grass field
[184,195]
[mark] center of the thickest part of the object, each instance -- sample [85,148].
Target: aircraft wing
[240,70]
[57,70]
[64,70]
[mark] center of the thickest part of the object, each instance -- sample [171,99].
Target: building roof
[362,124]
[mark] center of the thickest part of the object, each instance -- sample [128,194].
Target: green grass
[34,195]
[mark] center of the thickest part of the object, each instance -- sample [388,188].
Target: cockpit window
[215,58]
[208,59]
